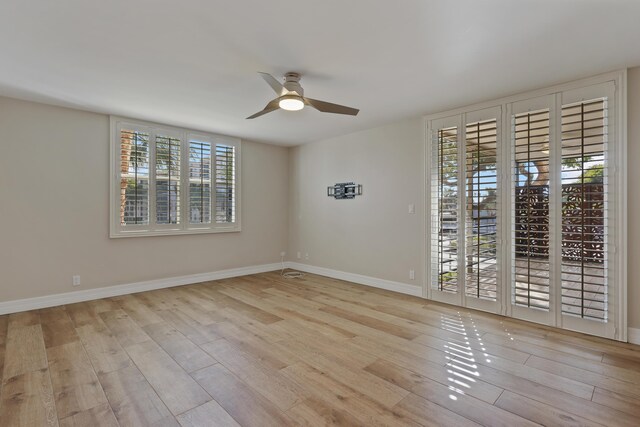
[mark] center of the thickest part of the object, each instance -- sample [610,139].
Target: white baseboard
[27,304]
[389,285]
[633,335]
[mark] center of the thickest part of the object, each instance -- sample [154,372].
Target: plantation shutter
[531,251]
[482,203]
[445,207]
[585,209]
[134,177]
[225,184]
[167,179]
[199,182]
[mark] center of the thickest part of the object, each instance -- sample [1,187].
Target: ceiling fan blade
[271,106]
[275,84]
[327,107]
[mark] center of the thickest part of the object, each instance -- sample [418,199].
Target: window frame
[116,230]
[617,328]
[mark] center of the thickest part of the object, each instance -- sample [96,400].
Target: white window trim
[619,131]
[185,227]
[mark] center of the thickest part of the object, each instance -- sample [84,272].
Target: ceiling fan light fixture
[291,103]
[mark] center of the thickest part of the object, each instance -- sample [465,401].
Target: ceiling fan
[291,98]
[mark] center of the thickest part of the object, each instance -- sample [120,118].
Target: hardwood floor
[266,351]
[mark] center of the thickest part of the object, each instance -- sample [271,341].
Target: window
[528,225]
[168,180]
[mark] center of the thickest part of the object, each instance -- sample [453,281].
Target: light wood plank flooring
[266,351]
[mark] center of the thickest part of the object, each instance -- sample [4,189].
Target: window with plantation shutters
[527,207]
[172,181]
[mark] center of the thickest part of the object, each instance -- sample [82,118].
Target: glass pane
[481,210]
[584,209]
[225,184]
[446,208]
[531,251]
[134,178]
[167,180]
[199,182]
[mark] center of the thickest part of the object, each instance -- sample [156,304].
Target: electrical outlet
[75,280]
[299,255]
[412,274]
[306,255]
[412,208]
[282,254]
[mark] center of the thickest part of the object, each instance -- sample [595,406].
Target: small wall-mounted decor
[344,190]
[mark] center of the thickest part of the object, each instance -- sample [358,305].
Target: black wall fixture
[345,190]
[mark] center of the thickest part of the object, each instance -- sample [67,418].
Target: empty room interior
[362,213]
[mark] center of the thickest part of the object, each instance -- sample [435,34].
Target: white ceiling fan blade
[328,107]
[275,84]
[271,106]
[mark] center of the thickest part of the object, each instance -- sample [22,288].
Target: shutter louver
[225,184]
[481,210]
[134,178]
[167,180]
[584,209]
[199,182]
[530,212]
[446,207]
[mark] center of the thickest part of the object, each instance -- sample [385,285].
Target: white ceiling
[193,63]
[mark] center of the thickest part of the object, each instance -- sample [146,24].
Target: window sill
[150,233]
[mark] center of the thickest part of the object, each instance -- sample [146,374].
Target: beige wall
[54,195]
[373,234]
[633,196]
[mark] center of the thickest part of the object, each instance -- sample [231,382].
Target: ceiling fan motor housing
[292,83]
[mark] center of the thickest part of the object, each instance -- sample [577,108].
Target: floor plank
[124,328]
[188,355]
[57,328]
[425,412]
[104,350]
[211,413]
[133,400]
[174,386]
[25,351]
[539,412]
[27,400]
[245,405]
[75,383]
[315,412]
[98,416]
[267,381]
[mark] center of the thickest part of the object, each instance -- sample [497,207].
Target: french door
[523,210]
[465,204]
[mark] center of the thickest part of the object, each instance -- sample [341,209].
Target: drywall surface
[54,210]
[373,234]
[633,197]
